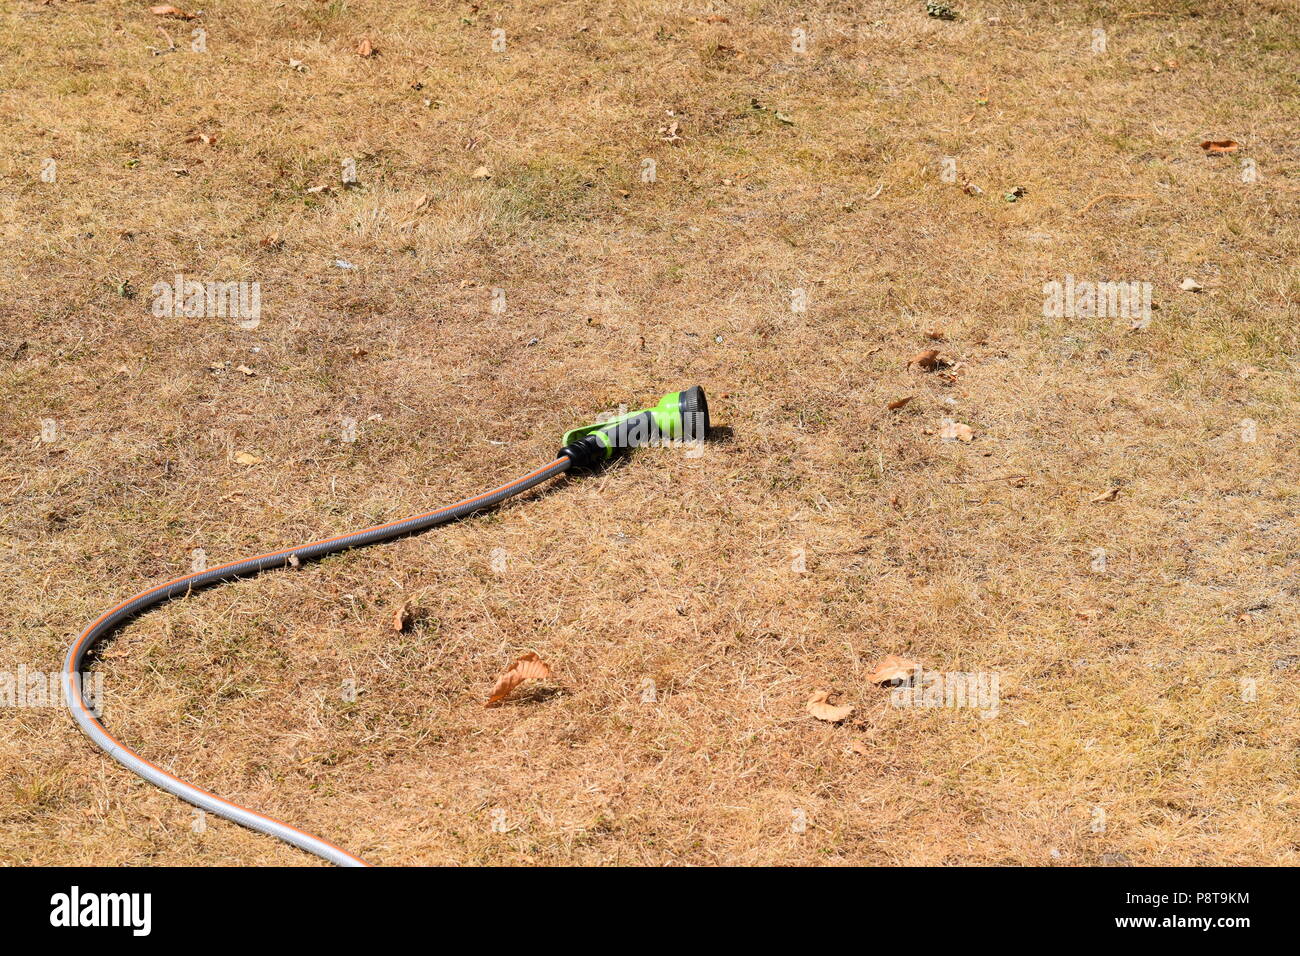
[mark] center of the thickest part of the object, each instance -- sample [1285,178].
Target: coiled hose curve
[110,620]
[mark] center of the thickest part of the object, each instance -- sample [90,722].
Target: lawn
[475,226]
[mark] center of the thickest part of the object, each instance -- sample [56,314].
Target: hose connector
[585,452]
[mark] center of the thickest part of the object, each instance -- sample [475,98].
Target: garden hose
[680,416]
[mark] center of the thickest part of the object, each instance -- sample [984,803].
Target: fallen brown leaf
[402,617]
[366,48]
[899,403]
[1110,494]
[956,431]
[1212,146]
[481,173]
[926,361]
[893,668]
[528,667]
[167,10]
[246,458]
[819,707]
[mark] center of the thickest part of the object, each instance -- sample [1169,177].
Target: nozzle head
[693,406]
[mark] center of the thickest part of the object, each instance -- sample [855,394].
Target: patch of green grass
[547,191]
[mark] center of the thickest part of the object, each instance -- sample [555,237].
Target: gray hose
[112,619]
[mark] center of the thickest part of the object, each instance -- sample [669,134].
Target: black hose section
[320,549]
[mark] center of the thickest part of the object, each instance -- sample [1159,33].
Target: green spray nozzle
[679,417]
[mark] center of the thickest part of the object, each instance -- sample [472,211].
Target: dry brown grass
[674,569]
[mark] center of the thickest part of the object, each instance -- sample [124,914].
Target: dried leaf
[927,361]
[365,48]
[402,617]
[956,431]
[1190,285]
[481,173]
[899,403]
[893,669]
[246,370]
[1213,146]
[246,458]
[167,10]
[528,667]
[1110,494]
[819,707]
[204,138]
